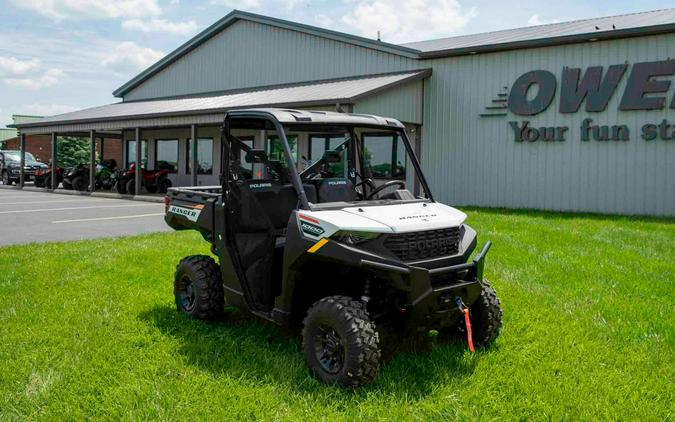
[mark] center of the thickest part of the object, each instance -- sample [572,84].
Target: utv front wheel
[198,287]
[486,316]
[340,342]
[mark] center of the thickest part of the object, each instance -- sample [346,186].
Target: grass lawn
[89,330]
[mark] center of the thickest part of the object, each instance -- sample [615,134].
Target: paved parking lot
[46,217]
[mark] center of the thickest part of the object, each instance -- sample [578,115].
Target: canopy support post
[52,175]
[22,160]
[92,161]
[138,174]
[195,160]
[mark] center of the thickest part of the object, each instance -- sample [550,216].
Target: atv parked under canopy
[343,248]
[152,180]
[78,177]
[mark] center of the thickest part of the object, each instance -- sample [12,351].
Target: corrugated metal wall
[468,159]
[403,103]
[473,160]
[249,54]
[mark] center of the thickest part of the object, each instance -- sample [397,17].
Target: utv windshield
[334,164]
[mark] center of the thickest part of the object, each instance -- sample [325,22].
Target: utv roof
[284,115]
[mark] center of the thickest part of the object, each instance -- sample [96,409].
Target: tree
[71,151]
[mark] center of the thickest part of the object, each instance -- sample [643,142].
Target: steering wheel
[387,185]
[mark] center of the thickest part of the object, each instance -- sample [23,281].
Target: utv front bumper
[432,293]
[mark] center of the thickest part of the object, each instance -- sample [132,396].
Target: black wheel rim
[329,349]
[186,294]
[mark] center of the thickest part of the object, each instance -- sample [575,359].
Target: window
[275,149]
[246,169]
[166,154]
[385,156]
[131,153]
[204,156]
[319,144]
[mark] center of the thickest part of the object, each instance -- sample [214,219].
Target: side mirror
[257,156]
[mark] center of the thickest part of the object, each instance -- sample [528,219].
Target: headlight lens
[354,237]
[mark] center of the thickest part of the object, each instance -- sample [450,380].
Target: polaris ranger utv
[341,247]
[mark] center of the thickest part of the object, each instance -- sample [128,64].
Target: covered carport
[130,120]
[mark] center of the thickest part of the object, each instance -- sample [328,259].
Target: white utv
[341,246]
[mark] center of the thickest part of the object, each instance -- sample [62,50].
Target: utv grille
[424,245]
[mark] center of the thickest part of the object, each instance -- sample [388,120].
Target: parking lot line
[119,217]
[45,202]
[79,208]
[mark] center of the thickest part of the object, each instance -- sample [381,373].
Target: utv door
[259,200]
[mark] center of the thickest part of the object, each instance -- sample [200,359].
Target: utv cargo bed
[193,208]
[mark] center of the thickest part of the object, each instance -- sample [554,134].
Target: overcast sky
[61,55]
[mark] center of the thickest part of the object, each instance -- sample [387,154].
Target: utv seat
[335,189]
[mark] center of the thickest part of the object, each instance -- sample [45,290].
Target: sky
[58,56]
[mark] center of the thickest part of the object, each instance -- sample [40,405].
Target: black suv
[10,166]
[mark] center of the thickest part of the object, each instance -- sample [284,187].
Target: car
[10,166]
[345,257]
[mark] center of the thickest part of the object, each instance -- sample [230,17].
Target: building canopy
[210,109]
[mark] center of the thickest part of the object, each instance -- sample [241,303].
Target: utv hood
[411,217]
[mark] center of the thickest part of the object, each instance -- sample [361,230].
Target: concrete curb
[108,195]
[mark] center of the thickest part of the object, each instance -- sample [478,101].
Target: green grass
[88,330]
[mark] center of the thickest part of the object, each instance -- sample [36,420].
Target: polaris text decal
[189,213]
[260,185]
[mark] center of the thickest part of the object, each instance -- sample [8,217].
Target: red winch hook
[467,322]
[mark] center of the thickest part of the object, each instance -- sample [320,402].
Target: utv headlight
[354,237]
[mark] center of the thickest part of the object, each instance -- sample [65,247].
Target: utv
[341,247]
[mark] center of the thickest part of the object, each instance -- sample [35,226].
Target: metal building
[576,116]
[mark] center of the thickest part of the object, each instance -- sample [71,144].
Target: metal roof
[24,118]
[635,24]
[6,134]
[237,15]
[341,91]
[552,34]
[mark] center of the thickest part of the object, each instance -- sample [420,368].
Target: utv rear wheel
[341,343]
[486,316]
[198,287]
